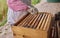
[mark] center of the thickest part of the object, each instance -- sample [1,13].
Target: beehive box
[34,26]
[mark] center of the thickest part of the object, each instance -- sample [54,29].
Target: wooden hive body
[34,26]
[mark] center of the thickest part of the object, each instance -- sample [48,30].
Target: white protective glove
[32,10]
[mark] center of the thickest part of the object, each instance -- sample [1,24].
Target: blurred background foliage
[53,1]
[34,2]
[3,12]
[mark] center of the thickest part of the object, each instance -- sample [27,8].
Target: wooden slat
[27,20]
[47,22]
[34,21]
[23,20]
[40,21]
[20,20]
[36,24]
[43,22]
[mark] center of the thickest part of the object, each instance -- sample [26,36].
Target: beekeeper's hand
[32,10]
